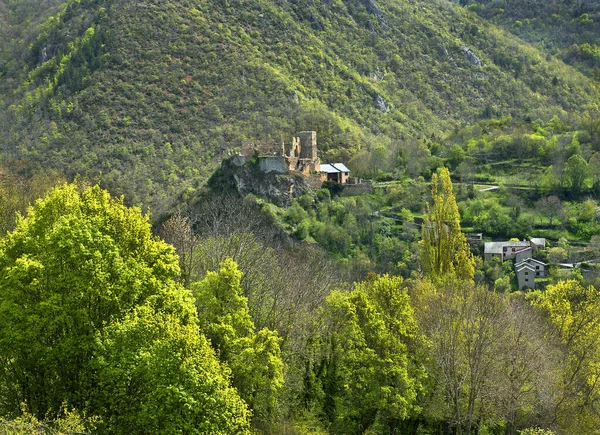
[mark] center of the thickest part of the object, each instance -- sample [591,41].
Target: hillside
[566,29]
[147,96]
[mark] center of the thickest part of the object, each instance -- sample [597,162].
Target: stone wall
[240,160]
[308,145]
[272,164]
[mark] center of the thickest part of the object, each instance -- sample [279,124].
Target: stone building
[300,155]
[508,250]
[337,172]
[527,271]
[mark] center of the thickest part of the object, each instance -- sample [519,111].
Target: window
[537,274]
[537,267]
[526,273]
[526,279]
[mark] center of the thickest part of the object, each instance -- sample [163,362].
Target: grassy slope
[150,99]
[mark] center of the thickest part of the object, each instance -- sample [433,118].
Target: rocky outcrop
[381,104]
[251,177]
[471,56]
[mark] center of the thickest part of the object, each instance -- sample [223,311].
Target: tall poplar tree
[445,253]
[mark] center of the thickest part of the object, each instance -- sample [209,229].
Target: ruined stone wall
[272,164]
[240,160]
[249,147]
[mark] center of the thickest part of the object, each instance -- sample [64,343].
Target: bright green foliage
[445,253]
[573,310]
[157,374]
[68,423]
[254,357]
[88,297]
[576,174]
[76,263]
[536,431]
[371,378]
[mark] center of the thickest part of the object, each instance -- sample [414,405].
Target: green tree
[572,310]
[254,357]
[78,267]
[445,253]
[557,255]
[158,374]
[576,174]
[594,168]
[372,374]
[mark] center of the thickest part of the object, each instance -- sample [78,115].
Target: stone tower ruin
[308,145]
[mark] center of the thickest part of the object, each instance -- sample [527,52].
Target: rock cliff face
[248,177]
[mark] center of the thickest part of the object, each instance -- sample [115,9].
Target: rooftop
[539,241]
[528,261]
[334,168]
[496,247]
[524,266]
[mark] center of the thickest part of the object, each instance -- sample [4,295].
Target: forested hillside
[186,307]
[566,29]
[147,96]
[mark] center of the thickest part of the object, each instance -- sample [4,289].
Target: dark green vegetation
[147,96]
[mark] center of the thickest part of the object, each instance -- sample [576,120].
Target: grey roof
[493,247]
[539,241]
[341,167]
[496,247]
[524,266]
[334,168]
[530,260]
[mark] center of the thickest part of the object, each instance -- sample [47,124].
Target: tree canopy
[84,283]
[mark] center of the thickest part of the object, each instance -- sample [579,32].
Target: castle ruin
[298,156]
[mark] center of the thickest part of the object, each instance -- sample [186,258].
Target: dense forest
[141,292]
[105,329]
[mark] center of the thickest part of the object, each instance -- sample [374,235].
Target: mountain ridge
[147,96]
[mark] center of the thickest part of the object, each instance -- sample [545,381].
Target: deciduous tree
[371,375]
[254,356]
[90,315]
[576,174]
[550,207]
[462,322]
[572,309]
[445,253]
